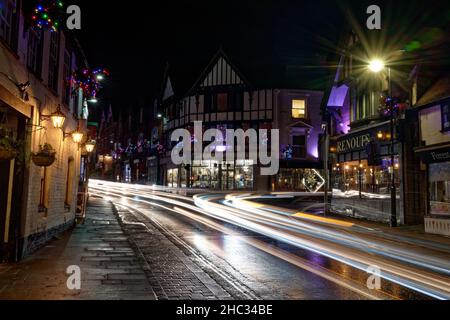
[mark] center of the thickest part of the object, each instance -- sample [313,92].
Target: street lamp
[90,146]
[377,65]
[58,118]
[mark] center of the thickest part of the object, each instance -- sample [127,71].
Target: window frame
[12,36]
[446,104]
[67,71]
[304,116]
[35,47]
[303,147]
[53,62]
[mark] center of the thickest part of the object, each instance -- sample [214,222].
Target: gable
[221,74]
[168,91]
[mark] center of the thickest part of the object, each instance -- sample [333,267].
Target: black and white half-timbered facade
[224,98]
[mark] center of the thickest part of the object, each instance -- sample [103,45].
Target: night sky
[136,39]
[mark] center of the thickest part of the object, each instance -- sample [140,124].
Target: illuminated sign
[354,143]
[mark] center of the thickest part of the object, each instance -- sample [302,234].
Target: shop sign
[439,155]
[355,143]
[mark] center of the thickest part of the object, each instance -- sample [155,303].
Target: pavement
[119,258]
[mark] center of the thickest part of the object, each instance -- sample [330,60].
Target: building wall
[283,118]
[431,125]
[36,225]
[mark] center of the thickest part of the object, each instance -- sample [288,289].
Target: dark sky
[135,39]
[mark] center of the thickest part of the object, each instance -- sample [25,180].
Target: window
[35,46]
[238,101]
[299,147]
[298,109]
[8,29]
[208,102]
[66,76]
[446,117]
[53,61]
[69,182]
[45,191]
[222,102]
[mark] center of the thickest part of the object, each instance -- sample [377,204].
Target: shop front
[237,175]
[437,160]
[361,173]
[300,176]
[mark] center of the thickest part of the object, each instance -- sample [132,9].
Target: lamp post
[376,66]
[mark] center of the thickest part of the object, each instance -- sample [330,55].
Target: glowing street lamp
[376,65]
[77,136]
[90,146]
[57,118]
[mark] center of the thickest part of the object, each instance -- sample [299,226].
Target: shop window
[298,109]
[172,178]
[299,146]
[446,117]
[358,178]
[439,176]
[69,182]
[8,22]
[34,54]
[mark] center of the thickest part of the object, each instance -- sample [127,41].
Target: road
[277,253]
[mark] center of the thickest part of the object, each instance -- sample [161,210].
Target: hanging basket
[7,154]
[45,157]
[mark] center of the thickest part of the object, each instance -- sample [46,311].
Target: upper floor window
[34,54]
[446,117]
[8,29]
[66,77]
[53,61]
[299,146]
[222,102]
[298,109]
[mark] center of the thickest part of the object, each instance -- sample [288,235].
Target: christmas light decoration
[88,81]
[48,14]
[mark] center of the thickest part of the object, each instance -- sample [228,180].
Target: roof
[259,70]
[438,91]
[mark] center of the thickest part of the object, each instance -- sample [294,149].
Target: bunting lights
[89,81]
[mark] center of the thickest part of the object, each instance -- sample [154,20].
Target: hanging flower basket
[7,153]
[45,157]
[8,146]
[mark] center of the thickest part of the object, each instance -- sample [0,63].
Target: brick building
[37,203]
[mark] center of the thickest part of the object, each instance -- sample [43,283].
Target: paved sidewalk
[110,269]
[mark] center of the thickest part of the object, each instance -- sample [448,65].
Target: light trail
[413,269]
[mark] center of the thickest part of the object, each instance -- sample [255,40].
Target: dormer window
[299,109]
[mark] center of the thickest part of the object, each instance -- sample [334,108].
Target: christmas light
[48,14]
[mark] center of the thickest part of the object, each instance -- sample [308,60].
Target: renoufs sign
[353,143]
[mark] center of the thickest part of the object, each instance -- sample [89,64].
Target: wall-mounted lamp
[90,146]
[77,135]
[58,118]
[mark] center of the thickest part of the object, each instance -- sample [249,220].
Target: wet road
[257,256]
